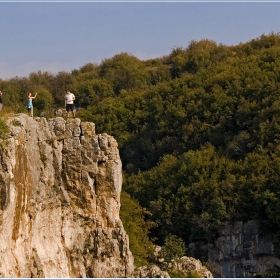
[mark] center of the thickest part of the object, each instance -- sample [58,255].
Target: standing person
[29,104]
[1,101]
[69,103]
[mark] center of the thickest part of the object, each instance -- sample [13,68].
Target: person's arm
[34,96]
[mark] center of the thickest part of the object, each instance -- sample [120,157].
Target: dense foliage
[133,217]
[173,248]
[198,132]
[3,127]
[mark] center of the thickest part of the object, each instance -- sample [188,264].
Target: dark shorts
[70,107]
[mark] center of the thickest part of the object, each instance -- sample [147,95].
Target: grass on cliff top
[3,126]
[6,113]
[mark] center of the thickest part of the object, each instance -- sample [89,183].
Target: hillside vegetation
[198,133]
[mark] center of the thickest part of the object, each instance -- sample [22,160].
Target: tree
[133,218]
[44,100]
[173,248]
[124,71]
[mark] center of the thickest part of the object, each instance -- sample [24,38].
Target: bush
[43,100]
[3,128]
[133,218]
[173,248]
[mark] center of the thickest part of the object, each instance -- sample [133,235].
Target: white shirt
[69,98]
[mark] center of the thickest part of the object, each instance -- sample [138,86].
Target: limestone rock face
[152,271]
[192,268]
[189,267]
[60,187]
[185,266]
[241,251]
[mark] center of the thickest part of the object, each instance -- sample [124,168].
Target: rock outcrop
[241,251]
[186,267]
[192,268]
[60,187]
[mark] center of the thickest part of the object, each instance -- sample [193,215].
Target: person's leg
[32,111]
[67,109]
[72,109]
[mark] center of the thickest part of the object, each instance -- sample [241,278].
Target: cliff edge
[60,187]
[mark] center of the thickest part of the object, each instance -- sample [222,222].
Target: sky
[56,36]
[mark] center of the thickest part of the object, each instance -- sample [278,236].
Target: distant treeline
[198,133]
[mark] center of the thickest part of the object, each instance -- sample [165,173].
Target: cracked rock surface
[60,187]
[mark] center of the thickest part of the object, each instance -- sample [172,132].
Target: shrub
[133,218]
[173,248]
[3,128]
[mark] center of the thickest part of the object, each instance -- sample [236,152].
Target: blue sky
[62,36]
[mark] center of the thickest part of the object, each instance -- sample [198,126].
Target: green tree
[124,71]
[133,217]
[44,100]
[173,248]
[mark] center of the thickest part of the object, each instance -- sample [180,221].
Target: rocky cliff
[60,189]
[240,251]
